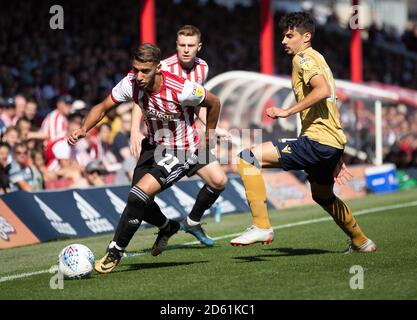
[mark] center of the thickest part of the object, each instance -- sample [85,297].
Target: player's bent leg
[342,215]
[165,233]
[266,154]
[149,185]
[216,181]
[133,214]
[132,217]
[213,175]
[154,215]
[249,164]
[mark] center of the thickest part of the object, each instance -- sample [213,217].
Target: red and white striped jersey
[55,151]
[168,112]
[198,73]
[55,126]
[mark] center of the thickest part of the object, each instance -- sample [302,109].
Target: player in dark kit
[318,150]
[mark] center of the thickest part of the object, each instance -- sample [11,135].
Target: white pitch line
[288,225]
[22,275]
[357,213]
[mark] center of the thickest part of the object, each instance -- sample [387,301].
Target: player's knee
[137,197]
[219,182]
[133,200]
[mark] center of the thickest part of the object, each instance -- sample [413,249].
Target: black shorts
[316,159]
[168,166]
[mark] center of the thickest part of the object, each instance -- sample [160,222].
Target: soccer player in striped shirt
[54,130]
[171,149]
[184,64]
[187,65]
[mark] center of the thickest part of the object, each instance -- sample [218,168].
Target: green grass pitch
[305,261]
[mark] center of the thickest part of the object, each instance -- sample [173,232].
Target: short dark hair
[10,128]
[302,21]
[20,145]
[189,30]
[22,119]
[147,52]
[75,117]
[5,144]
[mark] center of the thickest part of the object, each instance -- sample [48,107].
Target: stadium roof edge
[348,87]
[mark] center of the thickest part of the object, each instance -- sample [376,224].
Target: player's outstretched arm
[93,117]
[212,105]
[319,92]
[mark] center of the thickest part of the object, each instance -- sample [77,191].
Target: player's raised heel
[254,235]
[198,232]
[161,241]
[367,247]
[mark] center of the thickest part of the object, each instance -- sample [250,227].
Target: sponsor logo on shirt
[198,90]
[160,115]
[306,63]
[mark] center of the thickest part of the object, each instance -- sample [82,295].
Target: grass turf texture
[303,262]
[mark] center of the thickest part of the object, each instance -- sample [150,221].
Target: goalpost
[244,96]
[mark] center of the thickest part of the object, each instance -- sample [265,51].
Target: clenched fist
[275,113]
[76,135]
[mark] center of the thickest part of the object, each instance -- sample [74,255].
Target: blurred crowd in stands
[50,78]
[35,155]
[399,133]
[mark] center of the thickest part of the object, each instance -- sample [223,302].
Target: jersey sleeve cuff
[311,77]
[113,98]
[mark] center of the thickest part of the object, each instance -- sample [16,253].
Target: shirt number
[168,162]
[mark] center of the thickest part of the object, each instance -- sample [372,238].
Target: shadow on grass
[299,252]
[283,252]
[155,265]
[174,247]
[198,246]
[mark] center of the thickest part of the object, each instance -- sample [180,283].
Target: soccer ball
[76,261]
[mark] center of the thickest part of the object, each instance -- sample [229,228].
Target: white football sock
[192,223]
